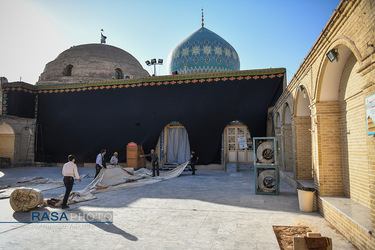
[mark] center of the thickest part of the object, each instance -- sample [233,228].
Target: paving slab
[210,210]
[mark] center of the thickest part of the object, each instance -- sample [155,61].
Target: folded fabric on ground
[25,199]
[40,183]
[116,178]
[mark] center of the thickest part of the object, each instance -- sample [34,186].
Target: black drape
[84,122]
[95,116]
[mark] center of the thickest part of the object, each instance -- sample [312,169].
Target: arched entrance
[238,146]
[287,142]
[341,128]
[173,145]
[7,139]
[25,148]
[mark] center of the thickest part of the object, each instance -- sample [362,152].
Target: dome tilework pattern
[203,51]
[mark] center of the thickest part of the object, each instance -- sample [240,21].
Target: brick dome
[91,62]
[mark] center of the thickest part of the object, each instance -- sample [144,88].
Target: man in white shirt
[100,162]
[114,159]
[69,171]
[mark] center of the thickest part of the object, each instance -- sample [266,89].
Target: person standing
[69,171]
[100,162]
[154,162]
[114,159]
[193,159]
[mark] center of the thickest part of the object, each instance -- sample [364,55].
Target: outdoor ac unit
[128,77]
[265,151]
[266,180]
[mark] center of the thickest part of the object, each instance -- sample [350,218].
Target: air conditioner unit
[265,151]
[128,77]
[266,180]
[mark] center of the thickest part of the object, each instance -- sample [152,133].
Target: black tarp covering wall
[19,100]
[83,122]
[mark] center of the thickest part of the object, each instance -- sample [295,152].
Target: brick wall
[330,172]
[357,235]
[279,146]
[343,155]
[369,89]
[19,144]
[353,134]
[302,127]
[287,147]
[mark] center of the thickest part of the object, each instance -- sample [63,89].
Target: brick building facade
[322,111]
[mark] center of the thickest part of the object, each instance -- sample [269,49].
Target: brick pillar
[302,136]
[369,90]
[328,161]
[279,140]
[371,159]
[287,149]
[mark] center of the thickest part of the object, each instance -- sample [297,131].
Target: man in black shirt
[154,162]
[193,159]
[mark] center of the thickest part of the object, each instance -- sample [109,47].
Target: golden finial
[202,18]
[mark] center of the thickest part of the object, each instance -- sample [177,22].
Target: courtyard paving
[211,210]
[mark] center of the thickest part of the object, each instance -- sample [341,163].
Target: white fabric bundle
[117,178]
[25,199]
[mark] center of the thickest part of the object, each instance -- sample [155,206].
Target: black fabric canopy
[19,101]
[82,120]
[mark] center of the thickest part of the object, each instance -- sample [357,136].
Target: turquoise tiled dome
[203,51]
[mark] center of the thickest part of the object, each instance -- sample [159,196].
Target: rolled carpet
[25,199]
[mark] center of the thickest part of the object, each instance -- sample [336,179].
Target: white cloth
[114,160]
[70,169]
[116,178]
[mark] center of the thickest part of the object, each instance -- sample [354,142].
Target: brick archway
[287,139]
[7,140]
[342,160]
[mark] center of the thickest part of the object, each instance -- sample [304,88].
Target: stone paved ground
[211,210]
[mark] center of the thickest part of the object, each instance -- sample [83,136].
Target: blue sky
[265,33]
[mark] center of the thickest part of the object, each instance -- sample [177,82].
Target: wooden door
[234,153]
